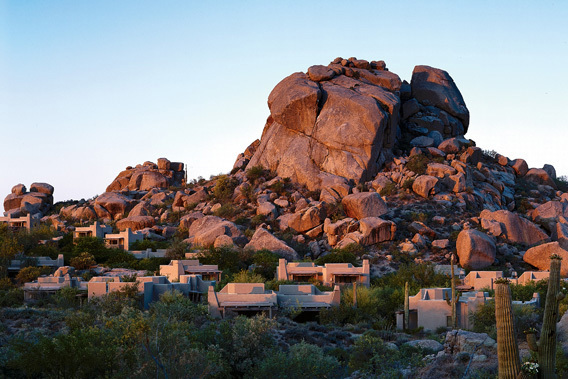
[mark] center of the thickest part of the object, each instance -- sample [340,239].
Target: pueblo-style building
[250,298]
[478,280]
[176,268]
[330,274]
[150,287]
[25,222]
[122,240]
[431,308]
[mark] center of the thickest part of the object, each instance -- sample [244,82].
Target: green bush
[339,256]
[29,274]
[303,361]
[265,263]
[388,190]
[12,298]
[224,188]
[418,164]
[256,172]
[83,261]
[228,211]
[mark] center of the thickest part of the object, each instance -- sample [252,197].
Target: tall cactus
[454,297]
[406,307]
[507,348]
[546,346]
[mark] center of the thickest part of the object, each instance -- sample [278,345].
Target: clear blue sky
[90,87]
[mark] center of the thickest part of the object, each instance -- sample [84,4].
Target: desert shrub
[417,163]
[304,360]
[388,190]
[372,356]
[244,343]
[245,276]
[419,216]
[227,211]
[256,172]
[338,256]
[265,263]
[407,184]
[229,260]
[281,187]
[66,298]
[146,244]
[562,183]
[177,249]
[417,275]
[11,298]
[524,318]
[224,188]
[29,274]
[257,220]
[83,261]
[6,284]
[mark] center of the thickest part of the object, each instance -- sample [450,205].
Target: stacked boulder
[149,175]
[36,202]
[342,120]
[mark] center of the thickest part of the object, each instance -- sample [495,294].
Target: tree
[84,261]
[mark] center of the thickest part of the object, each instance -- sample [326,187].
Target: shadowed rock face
[342,120]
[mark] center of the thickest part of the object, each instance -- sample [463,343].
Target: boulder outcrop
[515,228]
[343,119]
[35,202]
[149,175]
[263,239]
[539,256]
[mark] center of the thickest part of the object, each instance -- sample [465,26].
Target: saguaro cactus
[406,307]
[507,348]
[454,297]
[546,346]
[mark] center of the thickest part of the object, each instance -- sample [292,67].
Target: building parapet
[18,264]
[329,274]
[253,297]
[176,268]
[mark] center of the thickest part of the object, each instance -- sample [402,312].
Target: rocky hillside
[350,154]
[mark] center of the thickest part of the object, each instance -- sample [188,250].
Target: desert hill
[350,154]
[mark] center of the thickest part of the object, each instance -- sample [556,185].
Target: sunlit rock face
[344,119]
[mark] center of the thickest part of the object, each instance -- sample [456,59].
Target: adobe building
[150,287]
[176,268]
[431,308]
[95,230]
[25,222]
[251,298]
[122,240]
[18,264]
[48,285]
[478,280]
[330,274]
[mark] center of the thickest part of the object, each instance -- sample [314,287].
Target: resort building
[122,240]
[21,262]
[95,230]
[431,308]
[25,222]
[176,268]
[478,280]
[48,285]
[251,298]
[329,274]
[150,287]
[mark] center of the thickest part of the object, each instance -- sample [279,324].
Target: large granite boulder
[515,228]
[364,204]
[116,204]
[435,87]
[204,231]
[135,222]
[539,256]
[475,249]
[262,239]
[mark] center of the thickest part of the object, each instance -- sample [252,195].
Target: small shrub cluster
[418,163]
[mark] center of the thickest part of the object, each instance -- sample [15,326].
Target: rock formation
[35,202]
[343,119]
[149,175]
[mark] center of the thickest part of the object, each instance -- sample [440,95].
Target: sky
[90,87]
